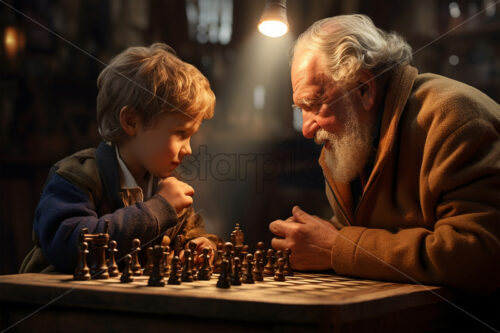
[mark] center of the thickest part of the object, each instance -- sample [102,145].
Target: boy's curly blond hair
[151,80]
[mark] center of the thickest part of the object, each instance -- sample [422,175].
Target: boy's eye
[182,134]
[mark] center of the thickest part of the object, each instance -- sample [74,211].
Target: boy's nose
[309,125]
[186,149]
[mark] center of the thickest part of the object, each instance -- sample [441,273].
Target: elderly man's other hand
[309,237]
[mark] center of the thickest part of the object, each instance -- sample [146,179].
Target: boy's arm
[64,209]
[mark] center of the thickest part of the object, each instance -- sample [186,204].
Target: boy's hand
[177,193]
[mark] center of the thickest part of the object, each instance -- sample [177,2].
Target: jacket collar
[109,173]
[398,91]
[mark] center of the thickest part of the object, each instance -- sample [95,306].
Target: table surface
[302,298]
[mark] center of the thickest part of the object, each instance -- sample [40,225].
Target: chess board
[305,301]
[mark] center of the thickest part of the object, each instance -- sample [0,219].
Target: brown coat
[430,210]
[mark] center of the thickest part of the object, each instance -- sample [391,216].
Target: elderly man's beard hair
[350,149]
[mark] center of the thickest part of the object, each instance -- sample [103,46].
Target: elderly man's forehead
[307,63]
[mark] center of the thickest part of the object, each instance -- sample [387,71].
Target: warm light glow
[13,41]
[273,28]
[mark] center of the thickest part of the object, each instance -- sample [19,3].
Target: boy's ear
[129,120]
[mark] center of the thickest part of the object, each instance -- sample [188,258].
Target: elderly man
[411,164]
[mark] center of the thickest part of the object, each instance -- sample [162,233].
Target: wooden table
[304,302]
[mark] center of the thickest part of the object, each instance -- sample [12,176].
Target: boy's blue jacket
[82,191]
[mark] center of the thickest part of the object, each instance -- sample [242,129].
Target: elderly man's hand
[309,237]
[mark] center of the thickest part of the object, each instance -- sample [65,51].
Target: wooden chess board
[304,300]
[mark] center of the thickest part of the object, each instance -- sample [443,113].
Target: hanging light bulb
[274,22]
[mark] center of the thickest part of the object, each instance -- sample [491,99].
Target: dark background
[249,164]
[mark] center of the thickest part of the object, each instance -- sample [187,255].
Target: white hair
[349,43]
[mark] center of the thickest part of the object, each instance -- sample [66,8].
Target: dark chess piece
[204,272]
[279,276]
[236,276]
[82,271]
[218,259]
[260,247]
[224,277]
[112,266]
[127,272]
[174,271]
[194,269]
[237,236]
[279,254]
[287,268]
[228,251]
[165,262]
[99,269]
[269,267]
[156,279]
[248,276]
[244,252]
[149,263]
[187,271]
[135,265]
[177,246]
[258,267]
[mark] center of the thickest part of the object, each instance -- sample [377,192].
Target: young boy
[149,105]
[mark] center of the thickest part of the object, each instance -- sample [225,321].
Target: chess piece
[236,276]
[279,276]
[287,268]
[156,279]
[269,267]
[149,263]
[237,236]
[187,271]
[174,271]
[99,269]
[165,262]
[228,251]
[112,266]
[248,276]
[127,272]
[218,259]
[260,247]
[192,246]
[136,266]
[204,272]
[279,254]
[223,281]
[258,267]
[82,271]
[177,246]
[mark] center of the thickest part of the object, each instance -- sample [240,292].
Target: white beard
[350,150]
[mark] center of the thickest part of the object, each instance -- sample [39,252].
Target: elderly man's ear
[367,89]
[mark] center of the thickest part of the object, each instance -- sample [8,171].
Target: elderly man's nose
[309,125]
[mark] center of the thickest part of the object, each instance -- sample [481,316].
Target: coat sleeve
[462,188]
[64,210]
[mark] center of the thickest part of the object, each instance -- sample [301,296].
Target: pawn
[192,246]
[279,276]
[236,276]
[228,252]
[287,268]
[156,279]
[279,254]
[174,271]
[248,277]
[269,268]
[149,264]
[187,271]
[112,266]
[135,265]
[204,272]
[218,259]
[165,262]
[258,267]
[82,271]
[127,272]
[223,281]
[260,247]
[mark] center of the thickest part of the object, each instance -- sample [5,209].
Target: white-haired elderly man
[411,164]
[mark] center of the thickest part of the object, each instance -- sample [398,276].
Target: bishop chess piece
[287,268]
[236,274]
[248,276]
[112,266]
[187,271]
[136,266]
[204,272]
[223,281]
[269,267]
[174,271]
[156,279]
[218,258]
[82,271]
[279,276]
[127,272]
[149,261]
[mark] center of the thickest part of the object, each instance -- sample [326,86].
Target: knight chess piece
[82,271]
[127,272]
[112,266]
